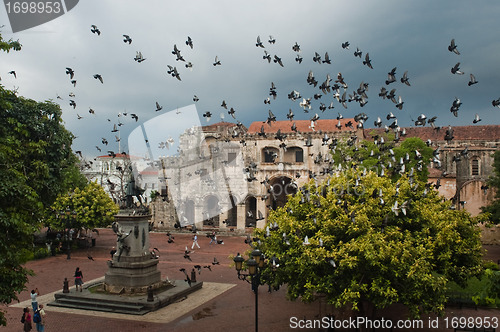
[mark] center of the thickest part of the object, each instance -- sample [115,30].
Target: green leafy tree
[384,156]
[493,209]
[91,205]
[348,239]
[36,164]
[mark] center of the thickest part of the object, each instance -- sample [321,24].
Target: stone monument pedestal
[133,267]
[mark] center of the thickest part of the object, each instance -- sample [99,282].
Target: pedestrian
[195,241]
[27,320]
[39,319]
[78,279]
[112,252]
[213,238]
[34,301]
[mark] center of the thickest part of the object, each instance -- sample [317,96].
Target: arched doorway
[280,187]
[187,214]
[211,211]
[250,211]
[232,213]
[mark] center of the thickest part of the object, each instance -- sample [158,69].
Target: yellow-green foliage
[380,256]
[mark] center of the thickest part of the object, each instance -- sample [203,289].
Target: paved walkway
[224,303]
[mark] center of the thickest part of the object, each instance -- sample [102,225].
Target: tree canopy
[363,239]
[36,165]
[92,206]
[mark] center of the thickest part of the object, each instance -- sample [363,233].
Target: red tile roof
[217,126]
[327,125]
[460,133]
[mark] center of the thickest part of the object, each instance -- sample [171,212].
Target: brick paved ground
[230,310]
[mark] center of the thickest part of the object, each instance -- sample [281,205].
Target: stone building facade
[283,160]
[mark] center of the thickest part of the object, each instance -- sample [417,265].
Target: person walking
[195,241]
[78,279]
[213,238]
[39,319]
[34,301]
[27,320]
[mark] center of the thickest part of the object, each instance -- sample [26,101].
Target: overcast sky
[410,35]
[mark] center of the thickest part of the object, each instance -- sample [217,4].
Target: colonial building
[279,159]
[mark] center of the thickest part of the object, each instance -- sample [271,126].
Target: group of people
[38,314]
[213,239]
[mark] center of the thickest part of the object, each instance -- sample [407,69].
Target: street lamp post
[255,265]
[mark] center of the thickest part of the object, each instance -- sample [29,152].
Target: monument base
[93,297]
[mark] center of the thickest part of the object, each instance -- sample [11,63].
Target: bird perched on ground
[98,77]
[127,39]
[215,262]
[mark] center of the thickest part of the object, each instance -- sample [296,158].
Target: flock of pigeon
[338,88]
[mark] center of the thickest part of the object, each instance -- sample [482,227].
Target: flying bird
[456,69]
[259,43]
[158,107]
[472,80]
[367,61]
[127,39]
[453,47]
[98,77]
[345,45]
[217,61]
[70,72]
[189,42]
[95,30]
[404,79]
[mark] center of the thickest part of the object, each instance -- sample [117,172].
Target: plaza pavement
[224,303]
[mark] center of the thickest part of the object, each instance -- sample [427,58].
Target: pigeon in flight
[127,39]
[453,47]
[404,79]
[345,45]
[259,43]
[98,77]
[367,61]
[70,72]
[217,61]
[158,107]
[95,30]
[472,80]
[456,69]
[296,47]
[189,42]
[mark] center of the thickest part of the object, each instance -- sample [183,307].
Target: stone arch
[282,186]
[211,210]
[250,211]
[270,154]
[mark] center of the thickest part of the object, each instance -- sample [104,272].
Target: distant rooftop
[303,126]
